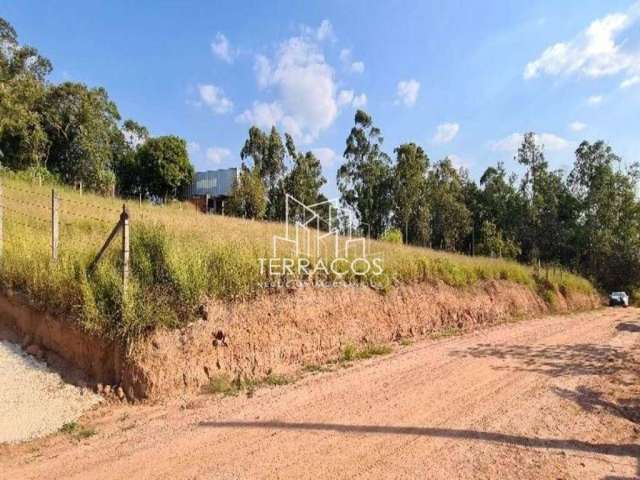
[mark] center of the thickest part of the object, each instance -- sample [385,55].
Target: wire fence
[45,213]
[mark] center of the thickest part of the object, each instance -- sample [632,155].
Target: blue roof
[213,182]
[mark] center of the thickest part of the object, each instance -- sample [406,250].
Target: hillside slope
[182,259]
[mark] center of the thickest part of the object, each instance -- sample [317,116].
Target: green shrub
[392,235]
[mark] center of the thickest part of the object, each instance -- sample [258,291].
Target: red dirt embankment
[274,333]
[285,331]
[59,342]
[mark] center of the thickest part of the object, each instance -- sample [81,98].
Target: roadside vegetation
[226,385]
[180,258]
[77,431]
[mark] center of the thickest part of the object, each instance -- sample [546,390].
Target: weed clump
[77,431]
[350,352]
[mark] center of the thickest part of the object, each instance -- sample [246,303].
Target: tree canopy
[74,132]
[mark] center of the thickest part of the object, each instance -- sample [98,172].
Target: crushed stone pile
[34,400]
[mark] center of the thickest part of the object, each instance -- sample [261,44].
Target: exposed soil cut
[283,332]
[278,332]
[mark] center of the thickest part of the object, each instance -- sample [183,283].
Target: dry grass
[180,258]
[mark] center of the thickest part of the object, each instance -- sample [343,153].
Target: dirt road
[555,397]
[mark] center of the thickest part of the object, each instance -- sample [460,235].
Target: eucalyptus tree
[409,191]
[451,220]
[365,178]
[267,153]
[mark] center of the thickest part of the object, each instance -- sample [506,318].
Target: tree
[248,199]
[134,134]
[494,243]
[549,216]
[608,238]
[82,128]
[23,140]
[125,165]
[22,88]
[364,180]
[451,220]
[164,166]
[531,155]
[267,154]
[19,60]
[304,182]
[500,202]
[409,187]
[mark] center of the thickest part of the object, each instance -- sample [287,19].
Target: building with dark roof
[210,190]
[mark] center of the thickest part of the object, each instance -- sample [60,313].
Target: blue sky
[463,79]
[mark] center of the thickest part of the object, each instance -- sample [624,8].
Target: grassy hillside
[179,258]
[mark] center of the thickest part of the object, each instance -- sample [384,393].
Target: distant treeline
[587,220]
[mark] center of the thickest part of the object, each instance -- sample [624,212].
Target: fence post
[55,224]
[124,221]
[1,220]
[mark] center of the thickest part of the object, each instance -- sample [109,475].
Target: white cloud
[630,81]
[552,141]
[458,162]
[217,154]
[577,126]
[305,99]
[325,30]
[349,64]
[221,48]
[262,68]
[446,132]
[193,148]
[345,97]
[345,55]
[359,101]
[593,53]
[595,100]
[407,92]
[214,98]
[326,156]
[357,67]
[263,115]
[511,142]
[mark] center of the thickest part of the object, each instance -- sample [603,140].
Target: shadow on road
[591,401]
[556,360]
[621,450]
[628,327]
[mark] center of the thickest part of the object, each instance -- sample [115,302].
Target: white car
[618,298]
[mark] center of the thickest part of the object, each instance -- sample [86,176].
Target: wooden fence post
[124,221]
[1,220]
[55,224]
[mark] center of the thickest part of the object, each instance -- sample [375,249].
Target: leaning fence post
[55,224]
[1,220]
[124,221]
